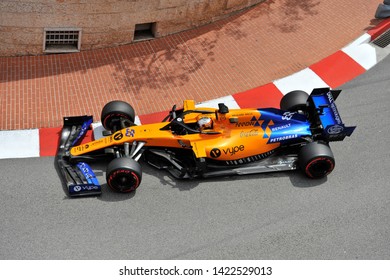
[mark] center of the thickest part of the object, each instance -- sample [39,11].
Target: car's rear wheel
[294,101]
[316,160]
[117,114]
[123,175]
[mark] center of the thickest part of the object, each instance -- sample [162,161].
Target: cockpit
[202,121]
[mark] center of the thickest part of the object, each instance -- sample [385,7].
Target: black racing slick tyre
[316,160]
[123,175]
[294,101]
[115,114]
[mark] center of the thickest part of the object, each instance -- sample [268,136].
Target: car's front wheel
[117,115]
[124,174]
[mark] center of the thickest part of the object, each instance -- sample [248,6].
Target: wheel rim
[123,180]
[319,167]
[114,120]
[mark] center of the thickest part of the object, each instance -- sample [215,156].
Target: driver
[205,123]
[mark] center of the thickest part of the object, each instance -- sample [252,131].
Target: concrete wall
[104,23]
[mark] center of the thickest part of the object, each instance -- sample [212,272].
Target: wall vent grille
[144,31]
[62,40]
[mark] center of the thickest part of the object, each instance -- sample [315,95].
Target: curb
[333,71]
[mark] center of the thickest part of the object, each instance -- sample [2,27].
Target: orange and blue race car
[193,142]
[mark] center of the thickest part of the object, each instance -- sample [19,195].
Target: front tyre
[123,175]
[117,114]
[316,160]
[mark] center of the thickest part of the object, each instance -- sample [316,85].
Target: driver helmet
[205,123]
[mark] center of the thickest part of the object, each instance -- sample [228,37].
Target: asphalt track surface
[265,216]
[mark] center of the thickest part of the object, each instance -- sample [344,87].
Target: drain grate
[384,40]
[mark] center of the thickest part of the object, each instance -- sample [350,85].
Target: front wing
[78,178]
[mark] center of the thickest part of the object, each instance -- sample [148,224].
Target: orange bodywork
[234,135]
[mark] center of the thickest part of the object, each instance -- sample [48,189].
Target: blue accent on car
[284,127]
[83,130]
[326,109]
[88,173]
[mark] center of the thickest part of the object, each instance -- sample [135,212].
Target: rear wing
[78,178]
[324,112]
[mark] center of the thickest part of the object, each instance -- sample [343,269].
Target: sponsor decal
[288,115]
[97,142]
[286,162]
[336,129]
[251,133]
[79,148]
[243,124]
[215,153]
[253,122]
[333,107]
[233,150]
[330,97]
[258,122]
[79,188]
[118,136]
[336,113]
[130,132]
[88,173]
[283,138]
[281,127]
[86,170]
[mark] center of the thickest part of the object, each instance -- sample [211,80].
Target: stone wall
[104,23]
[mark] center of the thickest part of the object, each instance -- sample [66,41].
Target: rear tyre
[294,101]
[115,114]
[316,160]
[123,175]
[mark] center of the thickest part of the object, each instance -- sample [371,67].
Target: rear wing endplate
[322,101]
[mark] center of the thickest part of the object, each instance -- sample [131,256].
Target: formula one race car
[196,142]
